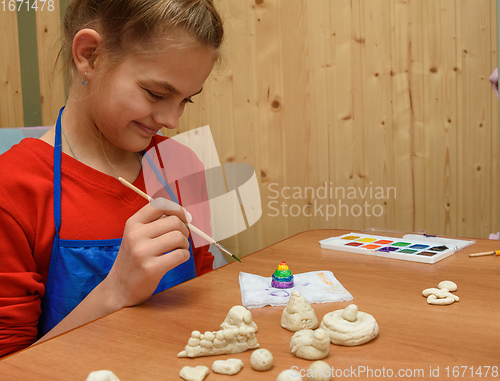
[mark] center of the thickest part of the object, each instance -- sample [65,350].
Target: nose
[167,115]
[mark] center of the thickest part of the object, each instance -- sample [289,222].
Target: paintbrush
[495,252]
[190,226]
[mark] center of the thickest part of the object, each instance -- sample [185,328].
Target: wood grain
[358,95]
[48,29]
[11,101]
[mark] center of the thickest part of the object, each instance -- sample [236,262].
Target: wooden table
[416,339]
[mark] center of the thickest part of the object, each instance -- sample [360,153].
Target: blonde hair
[125,25]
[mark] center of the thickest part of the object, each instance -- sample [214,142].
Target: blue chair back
[12,136]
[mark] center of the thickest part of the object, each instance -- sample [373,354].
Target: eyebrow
[169,87]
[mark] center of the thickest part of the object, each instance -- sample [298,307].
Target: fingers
[171,208]
[168,242]
[158,230]
[173,258]
[166,224]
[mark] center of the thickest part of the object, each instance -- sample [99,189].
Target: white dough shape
[433,299]
[230,367]
[289,375]
[102,375]
[237,335]
[448,284]
[439,296]
[196,373]
[298,314]
[238,316]
[319,371]
[310,345]
[261,359]
[349,326]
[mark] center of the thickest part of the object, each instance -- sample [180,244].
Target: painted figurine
[282,277]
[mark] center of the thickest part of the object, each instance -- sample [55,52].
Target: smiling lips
[148,131]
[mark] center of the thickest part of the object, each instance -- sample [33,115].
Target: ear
[86,45]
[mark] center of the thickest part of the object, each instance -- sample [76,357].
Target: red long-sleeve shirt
[94,206]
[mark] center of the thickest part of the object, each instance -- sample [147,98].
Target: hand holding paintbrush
[189,225]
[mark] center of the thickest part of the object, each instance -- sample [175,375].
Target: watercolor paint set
[409,247]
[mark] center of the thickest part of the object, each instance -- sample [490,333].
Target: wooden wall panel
[11,101]
[346,153]
[407,115]
[51,75]
[475,181]
[387,102]
[495,135]
[441,122]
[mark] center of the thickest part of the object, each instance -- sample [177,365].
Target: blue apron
[77,266]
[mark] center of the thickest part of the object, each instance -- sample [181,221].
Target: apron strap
[57,174]
[160,178]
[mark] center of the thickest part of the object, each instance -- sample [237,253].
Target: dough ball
[230,367]
[319,371]
[451,286]
[289,375]
[261,359]
[102,375]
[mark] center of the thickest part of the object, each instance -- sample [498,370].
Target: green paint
[28,52]
[401,244]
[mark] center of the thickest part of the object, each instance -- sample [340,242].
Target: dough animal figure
[237,335]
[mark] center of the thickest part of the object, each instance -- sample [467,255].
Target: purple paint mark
[278,293]
[306,284]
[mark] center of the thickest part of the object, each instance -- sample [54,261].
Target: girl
[133,66]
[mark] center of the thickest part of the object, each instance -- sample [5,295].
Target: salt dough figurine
[349,326]
[298,314]
[238,316]
[319,371]
[261,359]
[194,373]
[282,277]
[229,367]
[310,345]
[289,375]
[237,335]
[102,375]
[441,296]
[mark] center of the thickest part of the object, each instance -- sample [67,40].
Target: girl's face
[147,92]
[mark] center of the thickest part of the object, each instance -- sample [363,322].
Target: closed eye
[153,95]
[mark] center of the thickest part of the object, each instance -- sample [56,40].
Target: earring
[84,81]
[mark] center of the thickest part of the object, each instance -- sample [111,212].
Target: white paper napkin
[315,286]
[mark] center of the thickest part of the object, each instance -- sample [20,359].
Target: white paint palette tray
[411,247]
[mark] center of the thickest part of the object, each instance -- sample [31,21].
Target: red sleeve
[21,288]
